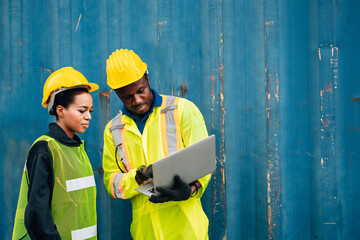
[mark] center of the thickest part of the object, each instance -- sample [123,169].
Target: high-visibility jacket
[177,123]
[73,205]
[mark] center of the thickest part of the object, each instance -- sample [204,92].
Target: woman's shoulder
[39,155]
[40,145]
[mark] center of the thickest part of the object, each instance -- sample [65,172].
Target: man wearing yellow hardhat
[150,127]
[57,197]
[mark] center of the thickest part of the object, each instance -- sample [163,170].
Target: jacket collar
[56,132]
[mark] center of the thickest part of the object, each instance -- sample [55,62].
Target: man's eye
[141,90]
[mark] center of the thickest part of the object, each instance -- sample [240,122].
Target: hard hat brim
[93,87]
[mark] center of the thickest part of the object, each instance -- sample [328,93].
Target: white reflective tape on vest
[80,183]
[84,233]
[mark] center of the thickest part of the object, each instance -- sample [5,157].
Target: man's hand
[148,171]
[143,173]
[180,192]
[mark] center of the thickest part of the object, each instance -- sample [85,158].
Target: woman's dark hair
[66,98]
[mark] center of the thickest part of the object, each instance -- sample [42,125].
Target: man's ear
[147,78]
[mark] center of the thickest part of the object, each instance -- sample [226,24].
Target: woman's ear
[60,111]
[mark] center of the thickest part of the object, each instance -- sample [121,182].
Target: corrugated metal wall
[277,82]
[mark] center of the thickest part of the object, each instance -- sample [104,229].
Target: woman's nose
[88,115]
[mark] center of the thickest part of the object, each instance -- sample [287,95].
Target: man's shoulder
[179,99]
[117,117]
[186,102]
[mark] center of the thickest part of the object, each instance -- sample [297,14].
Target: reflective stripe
[80,183]
[168,108]
[177,123]
[84,233]
[163,127]
[116,185]
[116,130]
[171,132]
[126,159]
[116,123]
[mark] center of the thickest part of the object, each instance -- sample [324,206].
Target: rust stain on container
[45,69]
[269,215]
[105,94]
[272,99]
[104,107]
[100,169]
[218,118]
[327,88]
[161,23]
[222,106]
[183,89]
[212,77]
[221,70]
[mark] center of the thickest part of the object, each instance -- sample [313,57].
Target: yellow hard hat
[123,68]
[63,79]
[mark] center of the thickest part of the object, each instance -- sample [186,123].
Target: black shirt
[38,219]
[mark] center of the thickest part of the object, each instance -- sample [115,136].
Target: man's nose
[137,99]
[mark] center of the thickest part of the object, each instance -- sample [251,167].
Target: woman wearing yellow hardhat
[58,194]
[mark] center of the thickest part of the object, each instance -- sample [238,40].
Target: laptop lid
[190,163]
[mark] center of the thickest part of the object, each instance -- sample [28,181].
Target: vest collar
[56,132]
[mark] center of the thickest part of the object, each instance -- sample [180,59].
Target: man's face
[137,97]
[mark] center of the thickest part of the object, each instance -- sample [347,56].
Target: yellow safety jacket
[177,123]
[73,205]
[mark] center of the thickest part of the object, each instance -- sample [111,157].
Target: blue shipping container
[277,82]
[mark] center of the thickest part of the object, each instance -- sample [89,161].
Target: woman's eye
[81,111]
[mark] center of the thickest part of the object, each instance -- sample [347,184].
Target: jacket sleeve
[118,184]
[193,129]
[38,219]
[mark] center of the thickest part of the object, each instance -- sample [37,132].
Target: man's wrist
[140,173]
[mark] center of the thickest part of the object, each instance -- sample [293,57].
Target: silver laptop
[190,163]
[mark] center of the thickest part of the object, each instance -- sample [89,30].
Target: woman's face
[76,117]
